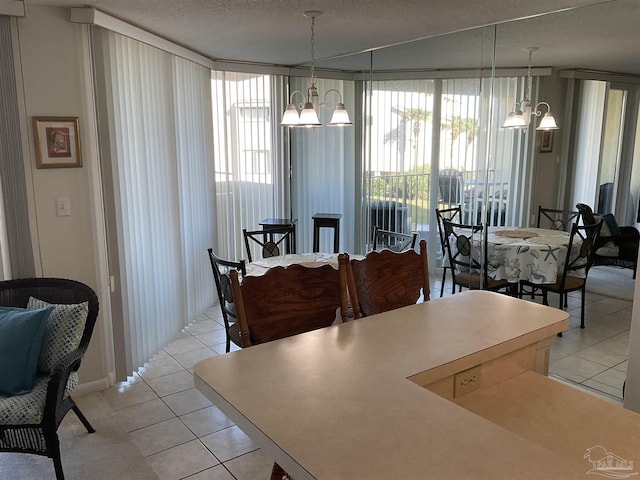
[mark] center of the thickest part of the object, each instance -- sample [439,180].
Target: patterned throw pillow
[63,331]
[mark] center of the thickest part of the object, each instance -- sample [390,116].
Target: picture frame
[545,144]
[57,141]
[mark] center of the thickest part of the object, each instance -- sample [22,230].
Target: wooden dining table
[384,396]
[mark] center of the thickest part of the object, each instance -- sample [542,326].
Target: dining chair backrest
[221,269]
[394,241]
[556,219]
[384,280]
[583,258]
[286,301]
[272,241]
[465,239]
[452,214]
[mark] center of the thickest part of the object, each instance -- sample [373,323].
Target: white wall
[53,58]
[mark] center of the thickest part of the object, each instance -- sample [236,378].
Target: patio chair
[394,241]
[272,240]
[556,219]
[453,214]
[571,279]
[29,422]
[221,269]
[467,260]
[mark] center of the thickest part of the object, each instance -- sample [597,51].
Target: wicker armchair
[620,249]
[29,422]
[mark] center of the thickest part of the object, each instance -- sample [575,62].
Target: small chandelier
[521,117]
[308,116]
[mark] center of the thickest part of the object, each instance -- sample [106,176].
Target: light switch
[63,207]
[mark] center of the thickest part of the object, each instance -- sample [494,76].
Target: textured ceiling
[603,36]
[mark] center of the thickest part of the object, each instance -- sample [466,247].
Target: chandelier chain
[313,50]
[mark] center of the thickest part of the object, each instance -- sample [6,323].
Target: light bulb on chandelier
[310,106]
[521,117]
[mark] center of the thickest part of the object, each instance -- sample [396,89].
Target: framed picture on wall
[546,141]
[57,142]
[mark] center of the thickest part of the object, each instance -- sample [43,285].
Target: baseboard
[95,386]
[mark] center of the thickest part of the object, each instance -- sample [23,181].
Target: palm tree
[412,117]
[459,125]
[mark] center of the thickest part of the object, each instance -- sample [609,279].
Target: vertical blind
[159,152]
[251,178]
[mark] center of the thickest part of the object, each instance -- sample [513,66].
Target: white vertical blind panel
[157,156]
[246,160]
[193,128]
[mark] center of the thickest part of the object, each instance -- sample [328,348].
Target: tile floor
[182,435]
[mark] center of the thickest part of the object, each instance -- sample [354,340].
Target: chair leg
[582,307]
[83,419]
[53,445]
[444,276]
[228,348]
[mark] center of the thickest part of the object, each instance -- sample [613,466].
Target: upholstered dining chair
[467,259]
[285,302]
[556,219]
[221,269]
[453,214]
[29,421]
[394,241]
[383,281]
[271,242]
[575,267]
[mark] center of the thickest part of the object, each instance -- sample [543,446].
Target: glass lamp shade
[548,122]
[515,120]
[290,116]
[308,116]
[340,117]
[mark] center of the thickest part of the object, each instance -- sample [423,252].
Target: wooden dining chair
[285,302]
[453,214]
[394,241]
[221,269]
[383,281]
[570,280]
[557,219]
[272,241]
[467,258]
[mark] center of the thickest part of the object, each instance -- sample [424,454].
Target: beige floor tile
[215,337]
[611,377]
[205,421]
[217,473]
[622,366]
[189,359]
[598,355]
[182,345]
[172,383]
[182,461]
[203,326]
[603,388]
[187,401]
[130,395]
[143,414]
[250,466]
[618,344]
[575,369]
[161,436]
[159,368]
[228,443]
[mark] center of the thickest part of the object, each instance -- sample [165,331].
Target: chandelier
[308,116]
[521,117]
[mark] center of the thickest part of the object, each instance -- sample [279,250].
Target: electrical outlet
[467,381]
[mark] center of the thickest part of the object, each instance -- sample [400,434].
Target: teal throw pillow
[21,333]
[612,225]
[63,331]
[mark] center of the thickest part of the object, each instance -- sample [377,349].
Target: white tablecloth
[259,267]
[539,258]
